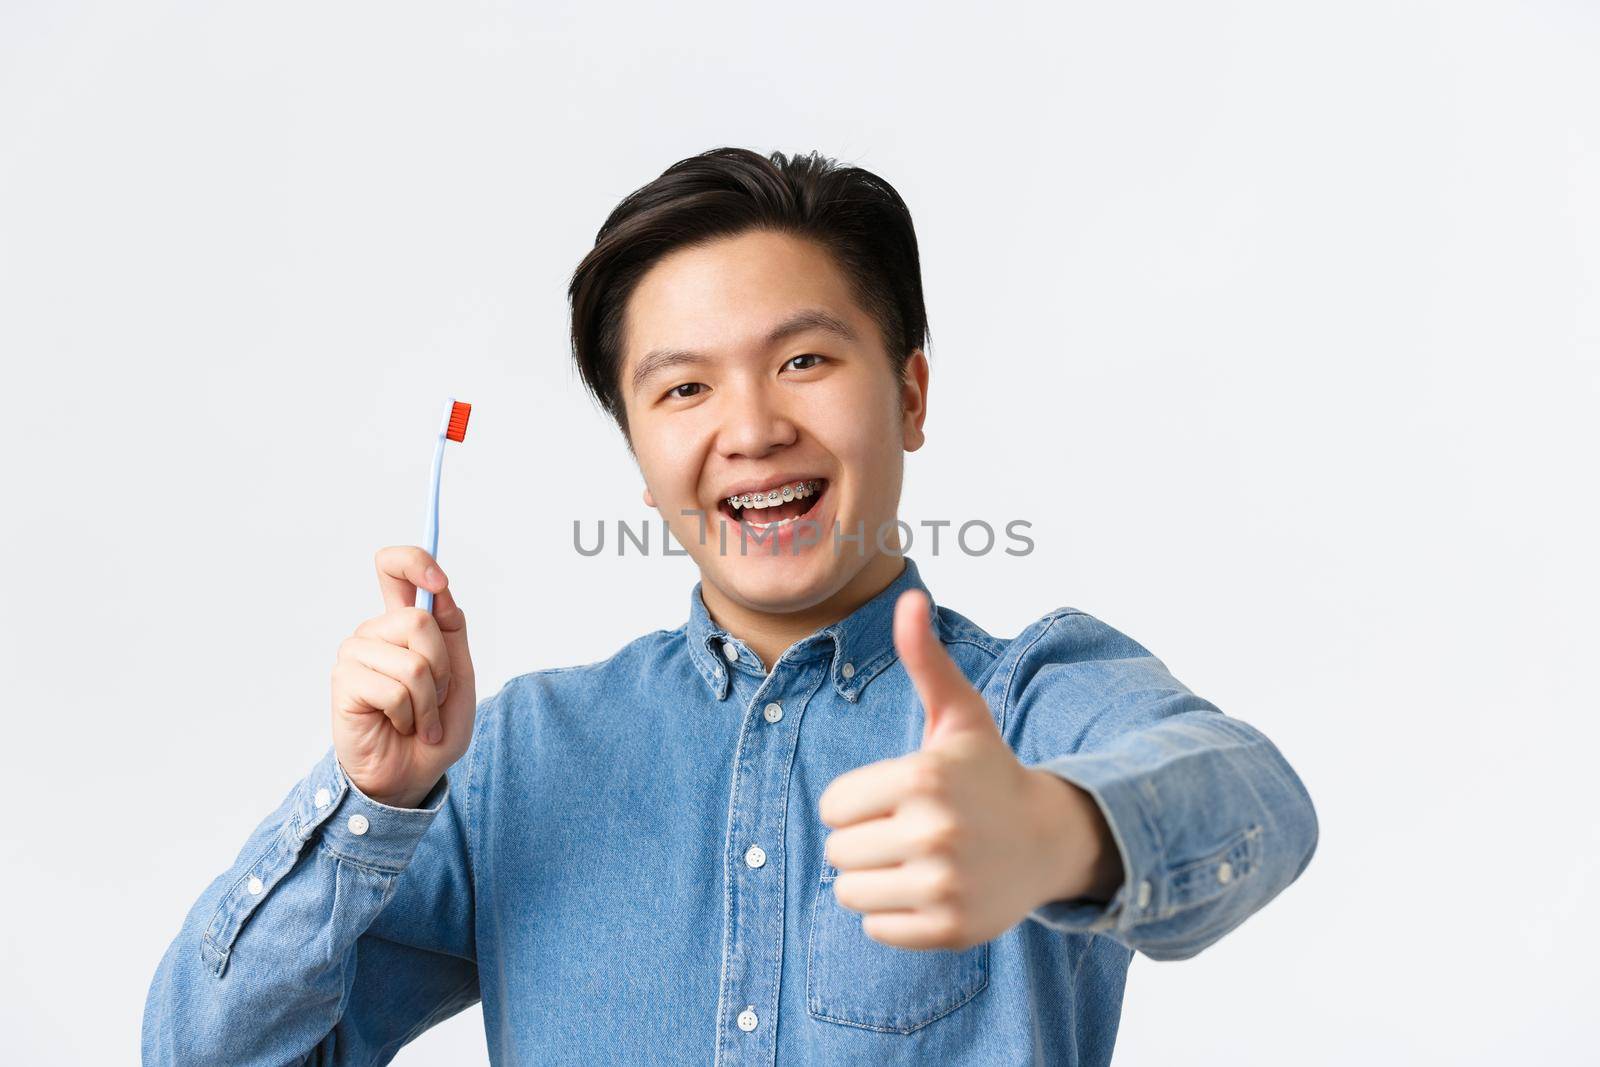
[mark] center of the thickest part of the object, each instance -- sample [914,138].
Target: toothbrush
[452,427]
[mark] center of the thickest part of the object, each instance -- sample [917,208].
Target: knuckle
[950,930]
[944,884]
[941,834]
[929,776]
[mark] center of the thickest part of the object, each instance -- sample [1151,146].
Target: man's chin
[775,583]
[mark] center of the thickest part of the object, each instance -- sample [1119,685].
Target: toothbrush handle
[430,536]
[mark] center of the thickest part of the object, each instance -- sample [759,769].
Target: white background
[1278,321]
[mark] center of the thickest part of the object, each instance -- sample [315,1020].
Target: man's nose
[756,422]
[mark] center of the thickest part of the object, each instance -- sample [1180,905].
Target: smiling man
[823,821]
[750,369]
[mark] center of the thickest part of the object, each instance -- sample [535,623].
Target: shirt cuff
[1116,791]
[357,827]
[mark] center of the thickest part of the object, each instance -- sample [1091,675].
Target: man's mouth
[777,505]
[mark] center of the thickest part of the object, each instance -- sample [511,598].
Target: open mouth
[779,506]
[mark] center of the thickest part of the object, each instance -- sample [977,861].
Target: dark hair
[852,213]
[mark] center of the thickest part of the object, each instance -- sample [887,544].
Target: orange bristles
[457,430]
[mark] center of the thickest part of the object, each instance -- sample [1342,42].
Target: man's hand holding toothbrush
[401,680]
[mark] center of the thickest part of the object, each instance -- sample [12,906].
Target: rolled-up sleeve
[1209,819]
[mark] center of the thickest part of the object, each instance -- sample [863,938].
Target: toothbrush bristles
[457,430]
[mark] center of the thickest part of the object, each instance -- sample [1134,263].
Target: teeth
[773,497]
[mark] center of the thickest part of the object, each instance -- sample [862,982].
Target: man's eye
[808,355]
[673,392]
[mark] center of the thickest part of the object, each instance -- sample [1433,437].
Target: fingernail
[433,734]
[432,576]
[441,692]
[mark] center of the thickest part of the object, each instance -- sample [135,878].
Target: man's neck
[769,634]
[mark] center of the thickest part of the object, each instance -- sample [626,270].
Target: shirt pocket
[856,981]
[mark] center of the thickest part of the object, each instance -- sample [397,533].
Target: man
[824,821]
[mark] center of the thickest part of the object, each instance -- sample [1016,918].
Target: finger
[870,791]
[924,929]
[404,666]
[402,570]
[937,679]
[366,691]
[909,885]
[451,624]
[447,615]
[950,703]
[880,842]
[417,630]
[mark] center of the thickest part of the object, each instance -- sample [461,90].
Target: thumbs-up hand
[952,845]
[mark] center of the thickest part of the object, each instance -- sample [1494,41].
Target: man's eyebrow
[810,319]
[660,359]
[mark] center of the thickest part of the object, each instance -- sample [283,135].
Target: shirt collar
[862,642]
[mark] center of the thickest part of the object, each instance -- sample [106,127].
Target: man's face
[716,406]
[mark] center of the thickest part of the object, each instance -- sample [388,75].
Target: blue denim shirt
[626,866]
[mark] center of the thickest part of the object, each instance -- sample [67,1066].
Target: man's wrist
[411,801]
[1080,852]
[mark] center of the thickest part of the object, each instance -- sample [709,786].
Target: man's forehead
[731,292]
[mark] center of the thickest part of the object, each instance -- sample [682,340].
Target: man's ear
[914,400]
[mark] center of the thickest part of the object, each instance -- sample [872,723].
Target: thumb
[949,702]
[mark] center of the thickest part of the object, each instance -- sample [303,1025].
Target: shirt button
[848,670]
[747,1018]
[254,886]
[1144,895]
[1225,872]
[322,797]
[730,651]
[357,824]
[773,711]
[754,856]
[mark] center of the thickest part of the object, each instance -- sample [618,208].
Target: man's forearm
[1210,819]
